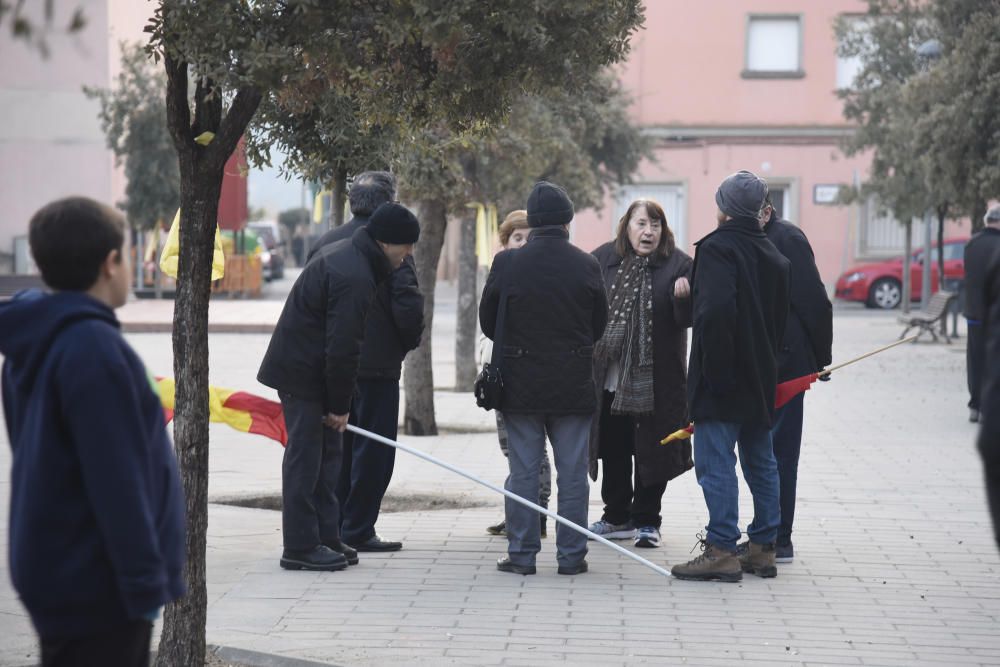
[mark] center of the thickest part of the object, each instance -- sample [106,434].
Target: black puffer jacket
[808,343]
[316,344]
[671,319]
[396,319]
[556,312]
[740,292]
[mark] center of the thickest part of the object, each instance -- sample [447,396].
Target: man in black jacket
[556,310]
[979,251]
[806,348]
[395,324]
[312,361]
[740,293]
[982,305]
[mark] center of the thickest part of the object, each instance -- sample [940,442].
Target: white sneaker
[648,537]
[613,531]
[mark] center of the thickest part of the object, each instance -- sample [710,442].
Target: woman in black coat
[640,369]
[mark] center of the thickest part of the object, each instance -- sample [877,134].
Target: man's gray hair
[992,215]
[369,190]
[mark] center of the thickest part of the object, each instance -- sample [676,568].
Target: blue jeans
[570,437]
[715,466]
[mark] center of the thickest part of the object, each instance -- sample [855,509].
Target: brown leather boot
[714,564]
[759,559]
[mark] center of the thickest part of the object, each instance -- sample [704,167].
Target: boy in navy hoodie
[96,512]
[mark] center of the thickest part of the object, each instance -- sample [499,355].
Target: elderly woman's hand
[682,288]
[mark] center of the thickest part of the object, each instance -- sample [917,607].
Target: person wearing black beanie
[548,204]
[396,229]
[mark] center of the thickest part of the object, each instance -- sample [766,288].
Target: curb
[255,659]
[225,328]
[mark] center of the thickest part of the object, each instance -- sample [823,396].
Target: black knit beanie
[548,204]
[394,223]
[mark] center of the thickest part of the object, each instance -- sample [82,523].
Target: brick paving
[895,563]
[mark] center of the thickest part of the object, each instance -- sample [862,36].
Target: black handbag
[489,383]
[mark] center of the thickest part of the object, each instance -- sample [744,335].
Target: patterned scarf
[628,338]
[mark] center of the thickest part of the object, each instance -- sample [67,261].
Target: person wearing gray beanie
[742,195]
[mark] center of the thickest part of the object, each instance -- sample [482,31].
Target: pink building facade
[724,86]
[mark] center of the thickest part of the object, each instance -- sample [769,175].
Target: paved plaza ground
[894,559]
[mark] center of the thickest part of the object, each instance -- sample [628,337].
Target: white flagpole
[512,496]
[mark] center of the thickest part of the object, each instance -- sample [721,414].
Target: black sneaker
[579,568]
[504,564]
[497,528]
[783,553]
[320,558]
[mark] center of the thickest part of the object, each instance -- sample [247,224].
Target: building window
[774,47]
[848,67]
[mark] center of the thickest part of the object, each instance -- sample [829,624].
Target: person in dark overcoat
[986,294]
[395,326]
[807,348]
[740,292]
[979,251]
[556,310]
[312,361]
[650,322]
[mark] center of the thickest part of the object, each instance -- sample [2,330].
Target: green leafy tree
[409,64]
[134,119]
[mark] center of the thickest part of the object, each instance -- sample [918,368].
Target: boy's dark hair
[70,239]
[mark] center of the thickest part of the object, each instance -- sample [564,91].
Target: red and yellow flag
[244,412]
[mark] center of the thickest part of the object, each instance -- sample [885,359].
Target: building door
[670,196]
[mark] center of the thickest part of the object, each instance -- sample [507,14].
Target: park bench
[927,320]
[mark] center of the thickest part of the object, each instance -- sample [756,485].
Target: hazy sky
[267,189]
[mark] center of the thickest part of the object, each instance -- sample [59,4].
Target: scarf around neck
[628,337]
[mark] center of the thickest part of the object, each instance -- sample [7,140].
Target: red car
[880,285]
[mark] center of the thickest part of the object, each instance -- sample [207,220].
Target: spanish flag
[244,412]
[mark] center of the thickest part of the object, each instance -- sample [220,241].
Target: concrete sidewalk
[895,560]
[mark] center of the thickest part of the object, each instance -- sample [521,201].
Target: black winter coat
[396,319]
[556,311]
[808,342]
[980,255]
[982,276]
[314,351]
[740,291]
[671,317]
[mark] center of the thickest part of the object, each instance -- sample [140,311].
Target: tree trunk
[466,326]
[418,374]
[182,641]
[183,638]
[339,195]
[978,212]
[904,302]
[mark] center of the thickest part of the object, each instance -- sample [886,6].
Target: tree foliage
[27,26]
[134,119]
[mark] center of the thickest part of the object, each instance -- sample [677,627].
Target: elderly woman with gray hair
[640,371]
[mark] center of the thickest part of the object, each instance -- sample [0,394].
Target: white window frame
[796,73]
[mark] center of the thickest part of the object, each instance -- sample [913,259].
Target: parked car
[880,284]
[272,249]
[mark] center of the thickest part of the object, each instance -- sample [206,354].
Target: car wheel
[885,293]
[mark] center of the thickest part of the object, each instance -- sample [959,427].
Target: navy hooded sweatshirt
[96,512]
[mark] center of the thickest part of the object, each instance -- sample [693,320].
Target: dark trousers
[975,361]
[623,501]
[368,464]
[786,435]
[989,449]
[123,646]
[310,513]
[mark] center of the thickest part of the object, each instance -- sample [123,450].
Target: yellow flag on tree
[172,251]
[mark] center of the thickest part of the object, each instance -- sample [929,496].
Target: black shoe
[579,568]
[376,543]
[504,564]
[319,558]
[350,554]
[544,530]
[497,529]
